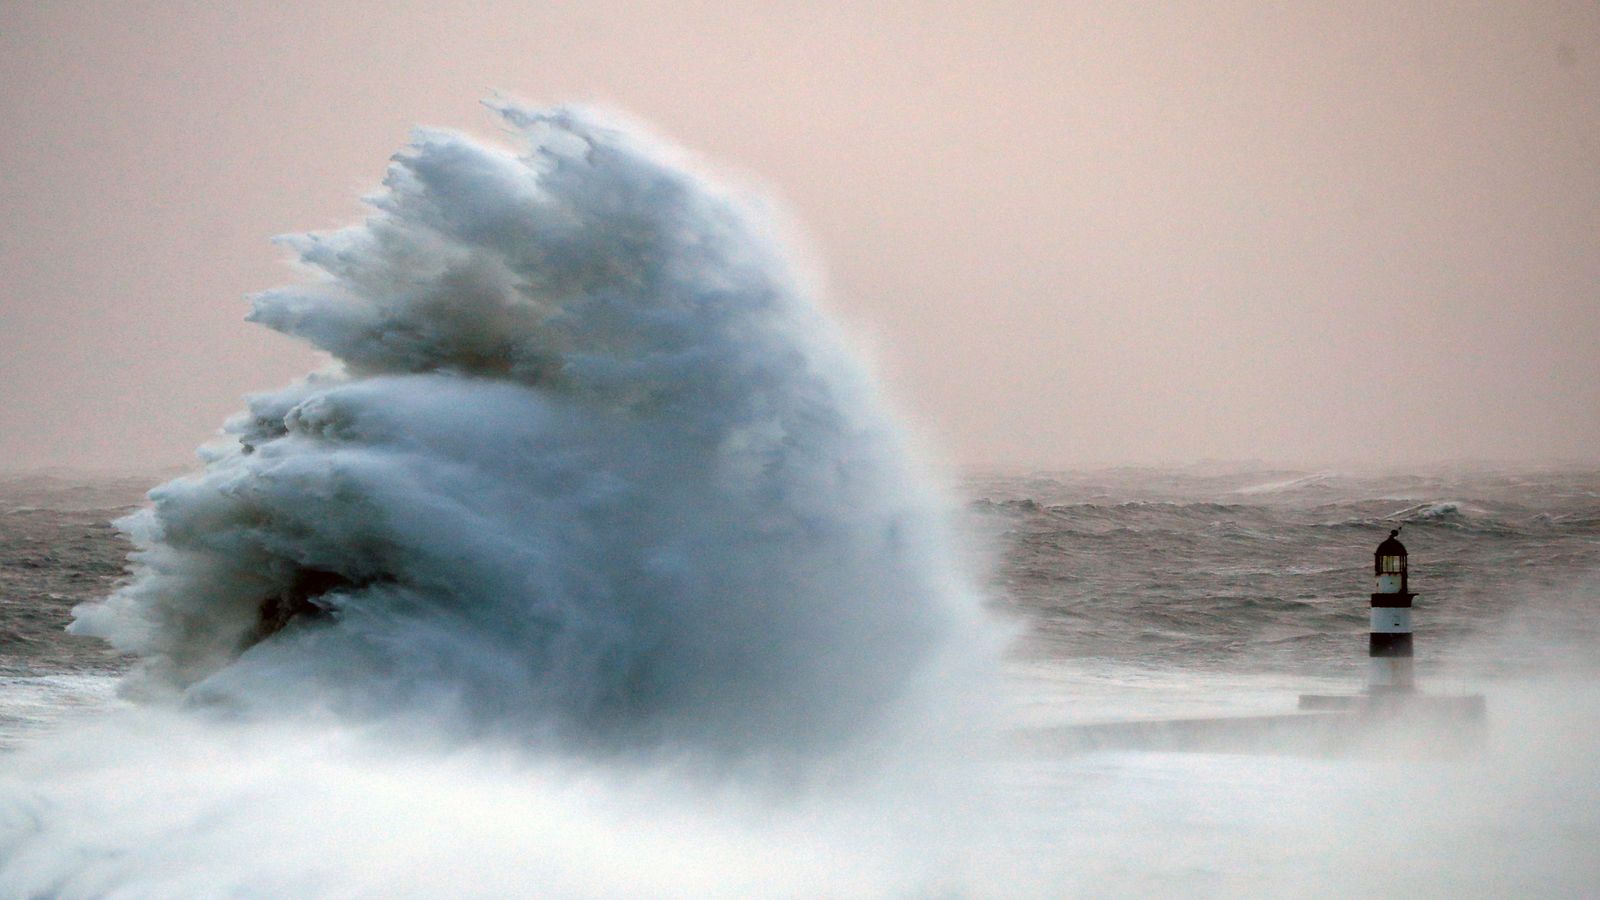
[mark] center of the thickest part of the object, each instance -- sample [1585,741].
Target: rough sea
[594,564]
[1144,594]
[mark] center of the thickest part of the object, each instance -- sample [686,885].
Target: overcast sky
[1070,233]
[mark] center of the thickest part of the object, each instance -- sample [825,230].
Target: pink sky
[1069,233]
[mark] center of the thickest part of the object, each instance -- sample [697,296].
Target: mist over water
[1227,590]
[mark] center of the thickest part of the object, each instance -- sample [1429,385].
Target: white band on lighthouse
[1391,620]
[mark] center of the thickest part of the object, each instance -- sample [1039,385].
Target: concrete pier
[1409,727]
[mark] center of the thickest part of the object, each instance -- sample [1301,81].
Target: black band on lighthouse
[1389,645]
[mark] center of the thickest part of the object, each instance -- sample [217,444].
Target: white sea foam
[1285,485]
[31,705]
[1440,509]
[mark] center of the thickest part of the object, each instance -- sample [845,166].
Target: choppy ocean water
[1145,594]
[57,549]
[1262,574]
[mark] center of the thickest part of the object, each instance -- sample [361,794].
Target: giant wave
[592,506]
[592,466]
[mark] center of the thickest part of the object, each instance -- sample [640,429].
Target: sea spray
[591,566]
[591,468]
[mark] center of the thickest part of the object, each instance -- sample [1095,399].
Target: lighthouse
[1432,723]
[1389,644]
[1390,718]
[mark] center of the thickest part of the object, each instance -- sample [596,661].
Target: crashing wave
[1441,509]
[1287,485]
[591,466]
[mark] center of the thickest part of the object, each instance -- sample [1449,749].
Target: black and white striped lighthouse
[1389,645]
[1456,721]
